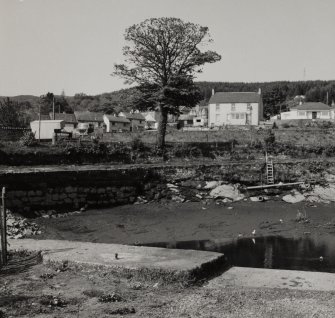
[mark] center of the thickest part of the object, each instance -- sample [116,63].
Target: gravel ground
[47,291]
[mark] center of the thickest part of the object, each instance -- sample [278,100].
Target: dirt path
[158,222]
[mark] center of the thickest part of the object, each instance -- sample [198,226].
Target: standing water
[308,254]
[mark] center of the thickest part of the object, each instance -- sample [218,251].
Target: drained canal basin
[307,253]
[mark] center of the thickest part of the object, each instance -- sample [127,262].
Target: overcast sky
[51,45]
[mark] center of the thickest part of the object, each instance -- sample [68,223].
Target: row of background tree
[276,96]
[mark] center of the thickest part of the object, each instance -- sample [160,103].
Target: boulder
[212,184]
[323,193]
[227,191]
[295,197]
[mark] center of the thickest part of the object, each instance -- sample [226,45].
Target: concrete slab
[129,257]
[274,278]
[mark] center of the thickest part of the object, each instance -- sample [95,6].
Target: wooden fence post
[3,219]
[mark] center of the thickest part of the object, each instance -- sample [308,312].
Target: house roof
[313,106]
[117,119]
[43,117]
[89,116]
[235,97]
[137,116]
[68,118]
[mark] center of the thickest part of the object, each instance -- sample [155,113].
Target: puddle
[308,254]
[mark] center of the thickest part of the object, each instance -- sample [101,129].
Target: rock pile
[19,227]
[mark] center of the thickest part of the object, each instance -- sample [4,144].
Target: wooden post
[3,228]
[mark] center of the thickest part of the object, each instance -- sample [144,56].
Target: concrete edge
[207,269]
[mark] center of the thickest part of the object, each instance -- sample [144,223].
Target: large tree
[162,58]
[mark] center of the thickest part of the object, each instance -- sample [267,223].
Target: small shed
[45,129]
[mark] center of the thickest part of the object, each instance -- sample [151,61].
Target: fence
[11,133]
[3,229]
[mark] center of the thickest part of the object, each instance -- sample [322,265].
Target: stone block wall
[76,187]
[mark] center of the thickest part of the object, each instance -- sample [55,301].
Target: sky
[72,45]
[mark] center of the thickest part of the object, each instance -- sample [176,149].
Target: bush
[28,139]
[270,140]
[137,144]
[274,125]
[185,150]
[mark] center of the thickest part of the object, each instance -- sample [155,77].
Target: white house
[116,124]
[200,114]
[235,108]
[94,119]
[137,120]
[309,110]
[151,120]
[45,129]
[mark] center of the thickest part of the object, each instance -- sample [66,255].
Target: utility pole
[327,98]
[39,122]
[53,107]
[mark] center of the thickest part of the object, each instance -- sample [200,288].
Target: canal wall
[71,187]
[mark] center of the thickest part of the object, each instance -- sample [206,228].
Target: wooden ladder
[269,171]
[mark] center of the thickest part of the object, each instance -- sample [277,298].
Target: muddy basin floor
[162,222]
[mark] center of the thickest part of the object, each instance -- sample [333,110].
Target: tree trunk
[162,127]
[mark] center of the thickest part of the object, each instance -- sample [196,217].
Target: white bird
[254,241]
[281,221]
[253,232]
[321,258]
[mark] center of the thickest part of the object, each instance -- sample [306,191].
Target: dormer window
[233,107]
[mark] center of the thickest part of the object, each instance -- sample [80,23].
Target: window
[113,124]
[217,118]
[237,115]
[325,113]
[198,120]
[249,106]
[124,125]
[217,107]
[300,113]
[233,107]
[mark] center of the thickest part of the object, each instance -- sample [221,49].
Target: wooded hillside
[276,96]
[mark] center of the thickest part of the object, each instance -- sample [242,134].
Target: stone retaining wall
[76,187]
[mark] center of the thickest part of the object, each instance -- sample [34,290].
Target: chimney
[259,91]
[213,92]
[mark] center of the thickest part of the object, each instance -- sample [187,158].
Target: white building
[137,120]
[116,124]
[235,108]
[309,110]
[151,120]
[45,129]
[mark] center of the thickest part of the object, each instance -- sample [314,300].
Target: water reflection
[312,254]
